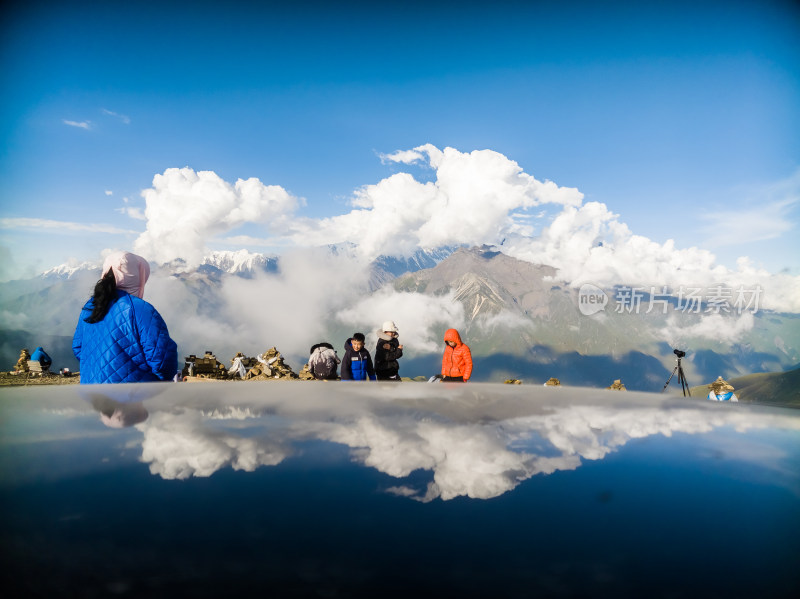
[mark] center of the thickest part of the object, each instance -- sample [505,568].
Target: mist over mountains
[520,320]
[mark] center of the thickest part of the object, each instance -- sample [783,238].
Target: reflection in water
[477,457]
[180,445]
[120,405]
[119,415]
[656,518]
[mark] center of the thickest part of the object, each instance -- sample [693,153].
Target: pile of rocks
[305,374]
[207,367]
[22,363]
[720,386]
[270,366]
[617,386]
[241,365]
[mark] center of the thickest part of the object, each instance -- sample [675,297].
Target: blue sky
[681,118]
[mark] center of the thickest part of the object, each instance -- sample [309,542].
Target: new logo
[591,299]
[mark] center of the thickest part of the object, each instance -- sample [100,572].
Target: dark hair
[105,294]
[358,337]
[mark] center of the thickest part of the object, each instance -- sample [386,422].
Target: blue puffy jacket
[41,356]
[130,345]
[357,365]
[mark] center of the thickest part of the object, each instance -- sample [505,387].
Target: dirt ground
[10,379]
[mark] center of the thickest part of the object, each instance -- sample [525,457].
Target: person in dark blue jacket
[357,363]
[120,338]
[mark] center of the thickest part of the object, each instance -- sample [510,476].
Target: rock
[206,367]
[720,386]
[270,366]
[305,374]
[22,363]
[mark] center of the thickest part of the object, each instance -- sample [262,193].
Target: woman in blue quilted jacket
[120,338]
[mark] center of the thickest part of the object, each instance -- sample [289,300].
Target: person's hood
[130,272]
[452,335]
[323,349]
[317,346]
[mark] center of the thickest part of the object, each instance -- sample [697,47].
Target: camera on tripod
[681,376]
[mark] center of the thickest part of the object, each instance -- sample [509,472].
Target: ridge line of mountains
[521,321]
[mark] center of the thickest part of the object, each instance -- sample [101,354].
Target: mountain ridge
[521,321]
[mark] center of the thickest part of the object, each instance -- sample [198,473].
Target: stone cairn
[270,366]
[22,364]
[241,365]
[720,386]
[305,374]
[207,367]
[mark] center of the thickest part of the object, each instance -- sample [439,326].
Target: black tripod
[681,375]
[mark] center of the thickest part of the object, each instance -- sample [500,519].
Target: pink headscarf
[130,271]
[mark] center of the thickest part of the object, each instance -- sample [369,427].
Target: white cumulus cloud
[415,314]
[473,201]
[184,209]
[474,198]
[590,244]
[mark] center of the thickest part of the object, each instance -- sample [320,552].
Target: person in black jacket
[357,363]
[387,352]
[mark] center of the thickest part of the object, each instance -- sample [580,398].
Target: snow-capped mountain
[68,271]
[240,262]
[419,260]
[245,263]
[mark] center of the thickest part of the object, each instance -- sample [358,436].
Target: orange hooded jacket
[456,361]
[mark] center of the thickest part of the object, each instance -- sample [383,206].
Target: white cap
[389,325]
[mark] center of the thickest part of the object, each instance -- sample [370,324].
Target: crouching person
[323,362]
[357,362]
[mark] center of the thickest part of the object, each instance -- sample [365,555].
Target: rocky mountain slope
[525,323]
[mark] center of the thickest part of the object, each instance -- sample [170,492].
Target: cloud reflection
[469,449]
[180,445]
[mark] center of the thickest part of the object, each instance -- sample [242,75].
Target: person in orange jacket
[457,359]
